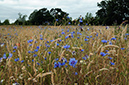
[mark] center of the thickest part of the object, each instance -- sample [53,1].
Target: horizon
[27,7]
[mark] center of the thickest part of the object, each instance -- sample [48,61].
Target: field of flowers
[64,55]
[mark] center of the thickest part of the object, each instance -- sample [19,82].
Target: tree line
[111,12]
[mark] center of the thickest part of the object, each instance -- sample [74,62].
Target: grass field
[64,55]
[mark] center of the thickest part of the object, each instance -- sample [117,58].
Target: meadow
[64,55]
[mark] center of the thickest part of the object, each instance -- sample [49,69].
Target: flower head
[57,64]
[73,62]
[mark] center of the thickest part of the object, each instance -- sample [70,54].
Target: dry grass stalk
[88,66]
[61,56]
[103,69]
[99,49]
[19,54]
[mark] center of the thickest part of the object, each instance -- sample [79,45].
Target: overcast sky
[9,9]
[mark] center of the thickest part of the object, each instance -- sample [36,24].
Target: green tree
[40,17]
[6,22]
[113,11]
[21,20]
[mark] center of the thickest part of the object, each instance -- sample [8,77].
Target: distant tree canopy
[44,16]
[113,11]
[6,22]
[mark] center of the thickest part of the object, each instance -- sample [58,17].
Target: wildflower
[38,63]
[63,33]
[36,50]
[110,43]
[29,41]
[29,51]
[82,50]
[17,59]
[57,44]
[22,61]
[87,36]
[14,50]
[72,62]
[56,19]
[10,55]
[102,54]
[57,59]
[41,38]
[15,47]
[110,58]
[67,46]
[73,53]
[37,47]
[68,30]
[41,35]
[104,41]
[30,45]
[76,73]
[34,55]
[113,38]
[122,48]
[86,39]
[69,23]
[49,53]
[57,64]
[112,63]
[78,37]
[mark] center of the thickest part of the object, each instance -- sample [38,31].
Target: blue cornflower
[125,38]
[22,61]
[76,73]
[33,60]
[36,50]
[72,62]
[17,59]
[78,37]
[82,50]
[56,19]
[104,41]
[51,40]
[112,63]
[41,38]
[45,58]
[34,55]
[29,41]
[14,50]
[10,55]
[110,58]
[49,53]
[69,23]
[86,39]
[113,38]
[122,48]
[57,64]
[57,44]
[102,54]
[41,35]
[57,59]
[4,56]
[38,63]
[86,23]
[37,47]
[29,51]
[47,41]
[87,36]
[110,43]
[30,45]
[68,30]
[67,46]
[15,47]
[63,33]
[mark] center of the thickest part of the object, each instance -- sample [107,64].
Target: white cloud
[11,8]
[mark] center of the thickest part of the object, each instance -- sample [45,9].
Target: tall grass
[44,55]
